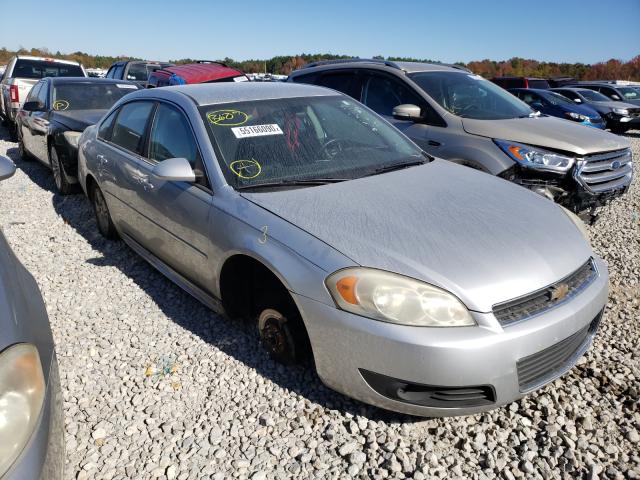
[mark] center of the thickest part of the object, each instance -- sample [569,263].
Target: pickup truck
[22,73]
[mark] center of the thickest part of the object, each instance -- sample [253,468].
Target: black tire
[619,129]
[22,152]
[13,131]
[59,176]
[283,335]
[103,217]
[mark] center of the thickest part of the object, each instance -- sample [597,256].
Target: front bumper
[43,457]
[346,345]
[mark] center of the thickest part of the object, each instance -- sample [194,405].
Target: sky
[585,31]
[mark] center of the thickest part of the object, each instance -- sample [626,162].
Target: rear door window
[117,72]
[348,83]
[130,126]
[106,126]
[33,94]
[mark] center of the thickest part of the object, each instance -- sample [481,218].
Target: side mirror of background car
[615,97]
[7,168]
[174,169]
[577,100]
[536,106]
[33,106]
[407,111]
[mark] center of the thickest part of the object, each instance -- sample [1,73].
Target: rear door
[118,165]
[25,119]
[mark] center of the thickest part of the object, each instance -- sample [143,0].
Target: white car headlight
[577,222]
[394,298]
[22,391]
[72,138]
[535,157]
[621,111]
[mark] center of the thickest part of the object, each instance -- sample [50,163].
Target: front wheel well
[248,288]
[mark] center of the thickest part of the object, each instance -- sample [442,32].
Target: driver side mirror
[7,168]
[33,106]
[407,111]
[174,169]
[615,97]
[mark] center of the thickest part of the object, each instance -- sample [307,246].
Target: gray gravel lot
[157,386]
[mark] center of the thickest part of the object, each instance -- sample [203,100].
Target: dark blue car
[556,105]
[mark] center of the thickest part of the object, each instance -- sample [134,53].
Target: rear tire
[103,217]
[59,176]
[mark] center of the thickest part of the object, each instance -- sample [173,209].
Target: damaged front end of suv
[581,183]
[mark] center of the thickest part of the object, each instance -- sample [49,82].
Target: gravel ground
[157,386]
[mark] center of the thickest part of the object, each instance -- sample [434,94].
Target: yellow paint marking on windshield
[228,118]
[246,169]
[60,105]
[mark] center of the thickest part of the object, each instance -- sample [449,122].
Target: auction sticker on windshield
[257,130]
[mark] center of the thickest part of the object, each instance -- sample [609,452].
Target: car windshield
[293,140]
[471,96]
[140,71]
[556,99]
[594,96]
[629,93]
[89,96]
[41,68]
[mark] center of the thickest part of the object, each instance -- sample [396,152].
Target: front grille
[634,112]
[604,172]
[548,364]
[429,395]
[549,297]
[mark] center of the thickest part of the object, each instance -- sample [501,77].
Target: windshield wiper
[305,182]
[397,166]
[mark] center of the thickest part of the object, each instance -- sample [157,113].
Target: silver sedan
[412,283]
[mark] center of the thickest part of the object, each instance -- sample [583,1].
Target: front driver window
[383,94]
[171,137]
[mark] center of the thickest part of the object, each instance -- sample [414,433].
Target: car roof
[47,59]
[67,80]
[573,89]
[227,92]
[407,67]
[202,72]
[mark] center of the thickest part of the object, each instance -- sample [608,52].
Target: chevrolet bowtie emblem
[559,292]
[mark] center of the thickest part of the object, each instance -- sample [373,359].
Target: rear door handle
[102,159]
[433,143]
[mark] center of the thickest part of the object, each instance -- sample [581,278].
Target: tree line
[283,64]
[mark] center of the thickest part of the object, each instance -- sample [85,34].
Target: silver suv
[456,115]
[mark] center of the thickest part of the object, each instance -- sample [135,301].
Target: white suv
[22,73]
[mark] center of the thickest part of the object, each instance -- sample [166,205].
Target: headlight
[621,111]
[577,222]
[72,138]
[396,299]
[534,157]
[577,116]
[22,391]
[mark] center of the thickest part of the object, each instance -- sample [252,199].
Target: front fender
[299,260]
[478,152]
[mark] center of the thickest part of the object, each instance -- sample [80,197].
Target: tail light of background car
[14,93]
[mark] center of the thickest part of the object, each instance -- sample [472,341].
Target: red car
[200,72]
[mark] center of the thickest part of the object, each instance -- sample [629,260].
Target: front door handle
[433,143]
[102,159]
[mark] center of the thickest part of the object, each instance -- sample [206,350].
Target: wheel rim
[55,167]
[275,335]
[102,213]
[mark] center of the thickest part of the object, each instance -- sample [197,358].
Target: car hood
[78,120]
[613,104]
[482,238]
[549,132]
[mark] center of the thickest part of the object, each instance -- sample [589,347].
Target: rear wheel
[59,176]
[103,217]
